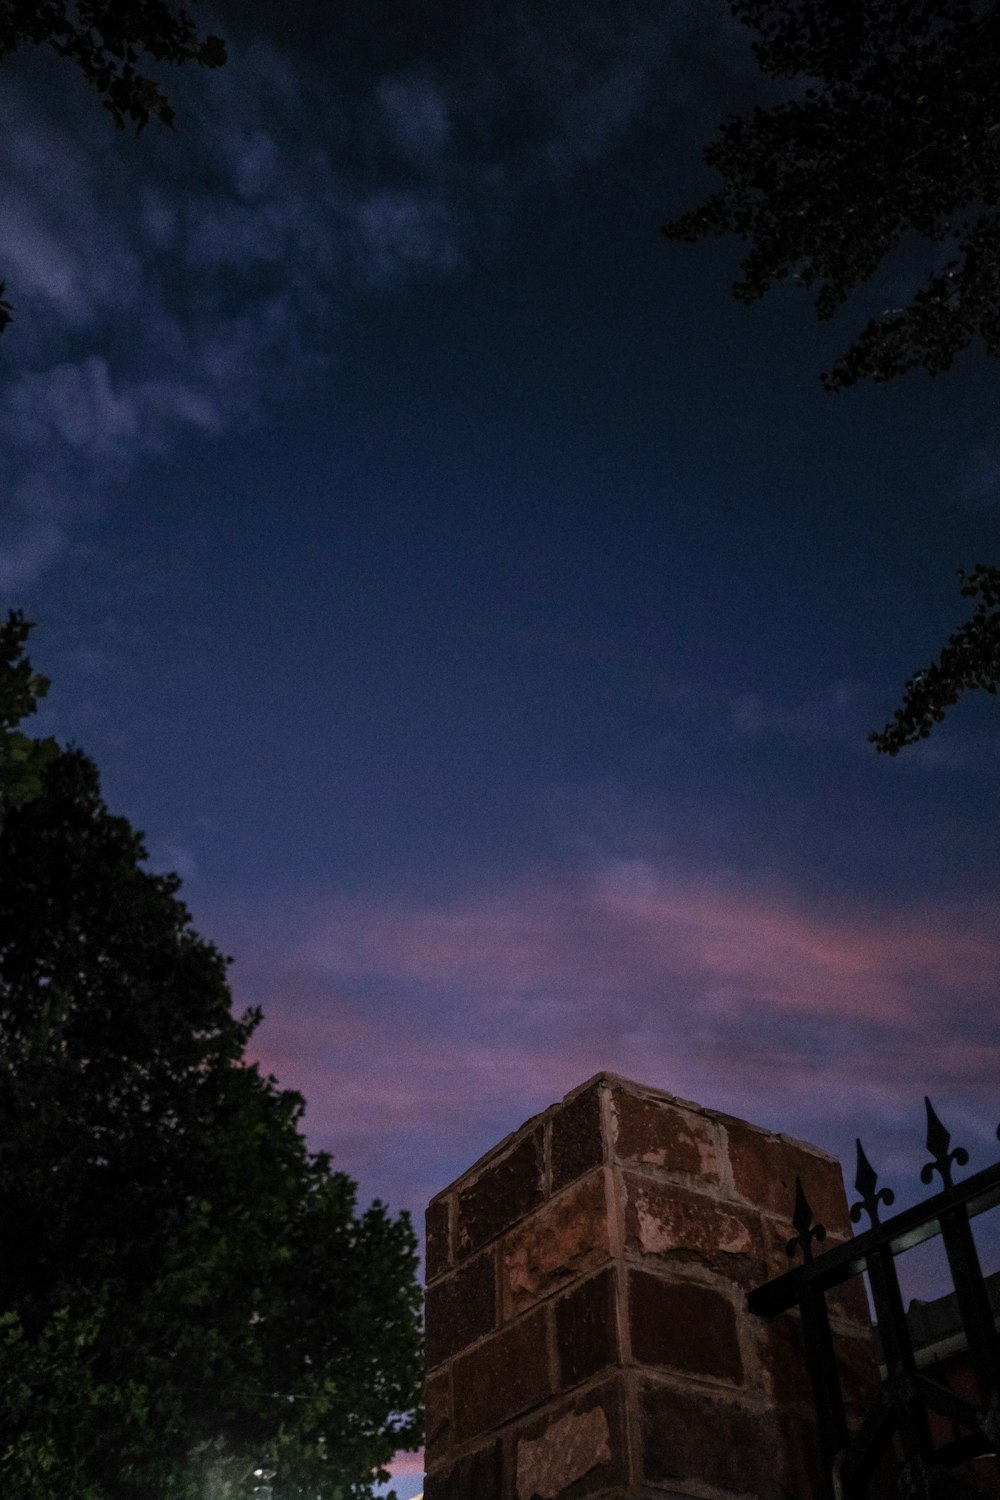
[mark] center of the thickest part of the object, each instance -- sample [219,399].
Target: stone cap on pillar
[586,1329]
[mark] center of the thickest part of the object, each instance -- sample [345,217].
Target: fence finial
[938,1143]
[866,1183]
[802,1220]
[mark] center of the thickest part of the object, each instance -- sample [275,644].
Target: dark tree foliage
[110,40]
[186,1292]
[970,660]
[892,134]
[22,759]
[112,43]
[898,131]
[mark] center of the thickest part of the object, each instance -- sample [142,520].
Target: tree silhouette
[187,1293]
[891,137]
[112,43]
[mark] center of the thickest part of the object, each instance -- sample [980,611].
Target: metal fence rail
[901,1408]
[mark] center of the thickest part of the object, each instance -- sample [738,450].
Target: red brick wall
[586,1323]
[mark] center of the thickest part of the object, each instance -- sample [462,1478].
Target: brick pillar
[586,1324]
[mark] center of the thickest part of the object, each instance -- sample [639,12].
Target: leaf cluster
[896,131]
[22,760]
[969,661]
[187,1293]
[109,41]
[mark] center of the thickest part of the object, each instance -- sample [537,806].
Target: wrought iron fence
[899,1413]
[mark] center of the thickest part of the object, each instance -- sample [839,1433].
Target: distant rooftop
[936,1327]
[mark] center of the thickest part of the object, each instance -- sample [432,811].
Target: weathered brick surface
[765,1168]
[501,1377]
[477,1476]
[461,1308]
[782,1359]
[532,1368]
[586,1333]
[786,1375]
[437,1417]
[849,1302]
[577,1448]
[502,1194]
[684,1326]
[798,1475]
[564,1239]
[437,1246]
[689,1436]
[577,1144]
[676,1225]
[661,1135]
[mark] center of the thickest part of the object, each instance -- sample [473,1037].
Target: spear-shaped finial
[938,1144]
[802,1221]
[866,1183]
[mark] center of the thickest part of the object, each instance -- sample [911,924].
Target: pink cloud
[630,925]
[421,1033]
[407,1463]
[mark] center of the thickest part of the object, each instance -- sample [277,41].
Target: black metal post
[973,1301]
[822,1363]
[907,1398]
[897,1351]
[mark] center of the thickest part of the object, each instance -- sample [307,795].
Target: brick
[684,1326]
[764,1171]
[799,1471]
[786,1373]
[437,1238]
[660,1135]
[475,1477]
[678,1226]
[460,1309]
[437,1417]
[566,1238]
[783,1361]
[586,1334]
[501,1377]
[689,1435]
[577,1144]
[504,1193]
[849,1302]
[578,1448]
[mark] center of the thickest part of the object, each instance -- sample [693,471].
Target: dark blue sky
[480,609]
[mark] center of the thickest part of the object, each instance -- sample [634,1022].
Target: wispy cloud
[415,116]
[420,1033]
[829,713]
[166,289]
[160,298]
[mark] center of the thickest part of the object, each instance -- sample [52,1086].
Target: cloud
[400,229]
[164,289]
[421,1033]
[167,288]
[407,1463]
[631,924]
[831,714]
[30,544]
[415,116]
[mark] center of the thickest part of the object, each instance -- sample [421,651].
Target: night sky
[481,610]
